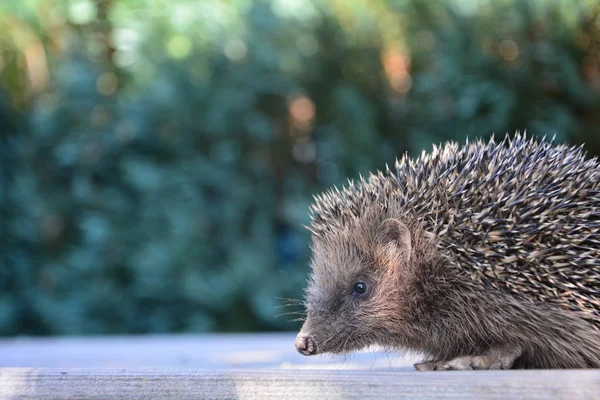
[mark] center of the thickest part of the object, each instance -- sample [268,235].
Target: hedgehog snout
[306,344]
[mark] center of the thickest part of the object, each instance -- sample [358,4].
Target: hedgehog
[482,256]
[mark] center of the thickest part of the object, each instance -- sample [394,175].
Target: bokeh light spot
[305,152]
[126,39]
[125,131]
[327,173]
[302,109]
[289,8]
[179,46]
[107,83]
[509,50]
[235,50]
[100,115]
[124,59]
[425,40]
[82,12]
[396,65]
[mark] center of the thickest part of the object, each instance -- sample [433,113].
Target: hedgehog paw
[456,364]
[495,358]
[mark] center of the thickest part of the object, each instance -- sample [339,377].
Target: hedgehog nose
[305,344]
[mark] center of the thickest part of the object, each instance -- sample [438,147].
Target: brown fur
[421,297]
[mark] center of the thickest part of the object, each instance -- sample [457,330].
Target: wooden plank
[248,366]
[104,384]
[200,351]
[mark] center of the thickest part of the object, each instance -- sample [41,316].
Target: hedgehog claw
[425,366]
[495,358]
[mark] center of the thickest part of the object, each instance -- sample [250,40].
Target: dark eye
[359,288]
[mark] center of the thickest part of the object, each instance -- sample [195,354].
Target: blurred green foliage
[158,157]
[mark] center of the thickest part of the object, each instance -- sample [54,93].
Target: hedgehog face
[355,291]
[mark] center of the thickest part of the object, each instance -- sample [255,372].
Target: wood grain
[130,384]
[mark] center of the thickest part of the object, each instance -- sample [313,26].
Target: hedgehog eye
[359,288]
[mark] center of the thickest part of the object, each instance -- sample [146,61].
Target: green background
[157,158]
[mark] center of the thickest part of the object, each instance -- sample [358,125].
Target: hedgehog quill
[484,256]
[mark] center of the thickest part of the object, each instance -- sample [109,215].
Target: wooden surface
[259,366]
[209,351]
[25,384]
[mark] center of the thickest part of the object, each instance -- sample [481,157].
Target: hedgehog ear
[394,236]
